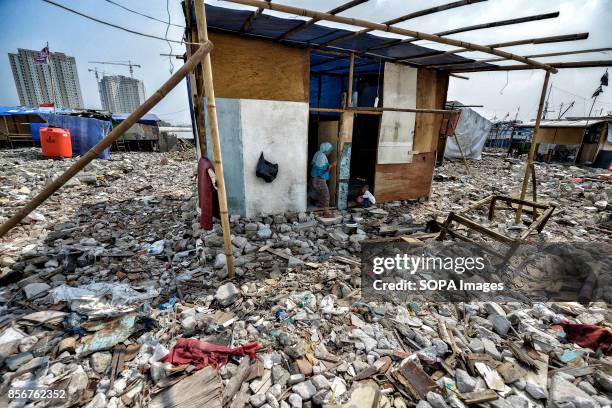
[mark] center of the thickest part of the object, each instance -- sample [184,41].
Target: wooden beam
[211,108]
[407,17]
[556,65]
[391,29]
[350,81]
[117,132]
[473,28]
[532,149]
[306,24]
[379,111]
[537,40]
[249,23]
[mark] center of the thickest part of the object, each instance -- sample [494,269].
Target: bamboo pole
[379,111]
[406,17]
[536,129]
[117,132]
[214,137]
[537,40]
[544,55]
[556,65]
[493,24]
[391,29]
[350,81]
[306,24]
[195,81]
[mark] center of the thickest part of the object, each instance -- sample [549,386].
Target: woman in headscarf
[319,174]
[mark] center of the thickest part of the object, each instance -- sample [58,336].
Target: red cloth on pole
[207,195]
[202,354]
[589,336]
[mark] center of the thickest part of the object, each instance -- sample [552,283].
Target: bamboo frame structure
[391,29]
[532,147]
[493,24]
[536,40]
[543,55]
[419,13]
[556,65]
[214,137]
[117,132]
[306,24]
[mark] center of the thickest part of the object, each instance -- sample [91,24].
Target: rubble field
[112,295]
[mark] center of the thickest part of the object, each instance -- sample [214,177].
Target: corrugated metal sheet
[566,123]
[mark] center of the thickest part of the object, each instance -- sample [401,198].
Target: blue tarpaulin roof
[147,119]
[271,27]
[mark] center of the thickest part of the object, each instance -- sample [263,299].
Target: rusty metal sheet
[415,380]
[107,333]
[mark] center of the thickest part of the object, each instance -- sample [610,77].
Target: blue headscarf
[320,164]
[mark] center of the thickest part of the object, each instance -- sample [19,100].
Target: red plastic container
[55,142]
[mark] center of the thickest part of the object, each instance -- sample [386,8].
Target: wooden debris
[234,384]
[202,389]
[477,397]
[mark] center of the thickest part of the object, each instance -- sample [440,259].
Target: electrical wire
[144,15]
[166,37]
[501,91]
[113,25]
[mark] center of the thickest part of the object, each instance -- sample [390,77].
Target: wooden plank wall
[413,180]
[247,68]
[562,136]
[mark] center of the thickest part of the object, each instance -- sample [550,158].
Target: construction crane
[96,71]
[124,63]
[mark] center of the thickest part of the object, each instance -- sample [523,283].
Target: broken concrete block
[227,294]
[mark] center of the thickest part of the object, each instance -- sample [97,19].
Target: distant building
[121,94]
[38,83]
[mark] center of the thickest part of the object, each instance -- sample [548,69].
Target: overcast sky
[31,23]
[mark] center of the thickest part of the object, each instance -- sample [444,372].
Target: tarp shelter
[85,133]
[471,132]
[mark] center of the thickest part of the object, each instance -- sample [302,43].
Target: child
[366,199]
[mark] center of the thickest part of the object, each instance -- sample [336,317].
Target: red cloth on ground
[202,354]
[207,195]
[589,336]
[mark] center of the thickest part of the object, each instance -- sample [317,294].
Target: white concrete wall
[280,130]
[397,128]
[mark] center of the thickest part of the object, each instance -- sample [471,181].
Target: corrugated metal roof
[566,123]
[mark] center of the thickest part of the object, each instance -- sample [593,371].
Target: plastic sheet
[472,131]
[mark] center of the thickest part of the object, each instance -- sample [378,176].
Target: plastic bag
[266,170]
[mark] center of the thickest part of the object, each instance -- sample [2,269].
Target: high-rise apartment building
[121,94]
[39,83]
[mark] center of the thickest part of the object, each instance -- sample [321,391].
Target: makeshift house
[579,140]
[469,136]
[20,125]
[283,100]
[143,135]
[505,133]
